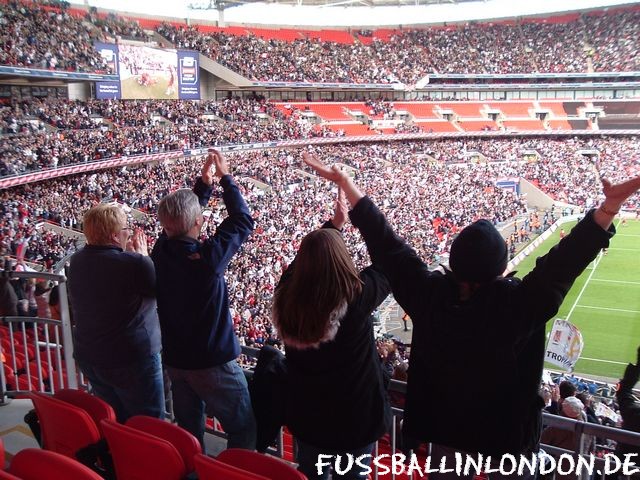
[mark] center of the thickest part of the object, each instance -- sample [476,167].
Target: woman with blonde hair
[336,399]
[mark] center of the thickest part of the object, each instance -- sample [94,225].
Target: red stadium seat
[65,427]
[138,455]
[97,408]
[209,468]
[186,444]
[36,464]
[261,464]
[7,476]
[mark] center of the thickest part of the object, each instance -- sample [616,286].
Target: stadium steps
[162,41]
[64,231]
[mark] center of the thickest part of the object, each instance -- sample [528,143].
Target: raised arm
[237,227]
[615,197]
[548,283]
[391,254]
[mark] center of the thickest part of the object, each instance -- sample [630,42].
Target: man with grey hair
[199,345]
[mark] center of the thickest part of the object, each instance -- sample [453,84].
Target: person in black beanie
[476,327]
[629,406]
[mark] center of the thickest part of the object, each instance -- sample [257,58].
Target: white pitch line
[614,281]
[626,235]
[607,309]
[584,287]
[625,249]
[603,361]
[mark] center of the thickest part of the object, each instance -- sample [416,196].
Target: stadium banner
[109,53]
[188,75]
[565,345]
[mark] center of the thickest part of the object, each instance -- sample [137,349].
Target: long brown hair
[324,280]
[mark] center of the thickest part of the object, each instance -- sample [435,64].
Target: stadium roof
[216,4]
[348,13]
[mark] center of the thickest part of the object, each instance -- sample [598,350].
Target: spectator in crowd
[8,298]
[567,438]
[564,390]
[471,321]
[322,310]
[629,406]
[199,345]
[117,334]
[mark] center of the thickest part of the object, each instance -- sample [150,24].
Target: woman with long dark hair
[336,397]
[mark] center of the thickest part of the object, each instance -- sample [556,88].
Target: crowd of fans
[50,36]
[426,190]
[94,130]
[609,40]
[40,36]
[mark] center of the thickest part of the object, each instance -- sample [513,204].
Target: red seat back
[140,456]
[186,444]
[97,408]
[65,427]
[264,465]
[209,468]
[36,464]
[7,476]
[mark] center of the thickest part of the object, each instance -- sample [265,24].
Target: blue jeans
[308,457]
[222,393]
[136,389]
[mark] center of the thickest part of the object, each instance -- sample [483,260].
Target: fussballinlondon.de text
[466,465]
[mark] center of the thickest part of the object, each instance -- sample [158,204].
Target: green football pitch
[604,303]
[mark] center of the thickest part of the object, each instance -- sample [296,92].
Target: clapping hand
[617,194]
[138,243]
[214,158]
[333,173]
[341,212]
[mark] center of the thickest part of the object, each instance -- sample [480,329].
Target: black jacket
[629,407]
[476,366]
[336,399]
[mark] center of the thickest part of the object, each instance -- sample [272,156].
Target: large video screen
[149,73]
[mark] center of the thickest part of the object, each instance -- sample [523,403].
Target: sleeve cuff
[329,224]
[364,204]
[226,181]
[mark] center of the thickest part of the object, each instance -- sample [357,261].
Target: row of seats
[83,427]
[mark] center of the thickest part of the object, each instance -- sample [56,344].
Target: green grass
[131,89]
[611,327]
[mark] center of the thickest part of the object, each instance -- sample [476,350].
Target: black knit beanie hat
[478,253]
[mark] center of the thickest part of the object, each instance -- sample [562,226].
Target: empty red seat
[186,444]
[36,464]
[97,408]
[65,427]
[261,464]
[138,455]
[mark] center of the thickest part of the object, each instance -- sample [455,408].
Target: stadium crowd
[50,36]
[428,199]
[605,40]
[93,130]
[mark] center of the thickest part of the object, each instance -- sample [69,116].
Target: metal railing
[37,353]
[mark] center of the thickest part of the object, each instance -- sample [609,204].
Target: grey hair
[178,212]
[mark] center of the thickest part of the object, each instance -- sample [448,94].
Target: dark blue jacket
[112,296]
[193,304]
